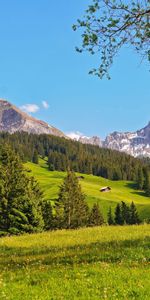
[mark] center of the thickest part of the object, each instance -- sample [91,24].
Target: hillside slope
[91,185]
[13,119]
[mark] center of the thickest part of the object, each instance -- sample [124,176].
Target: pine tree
[20,196]
[35,158]
[134,218]
[140,179]
[47,215]
[96,217]
[147,183]
[118,215]
[125,213]
[71,209]
[110,217]
[59,214]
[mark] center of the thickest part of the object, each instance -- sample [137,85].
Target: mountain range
[13,119]
[134,143]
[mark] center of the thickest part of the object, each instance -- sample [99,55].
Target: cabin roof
[105,188]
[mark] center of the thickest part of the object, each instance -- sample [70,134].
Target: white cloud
[45,104]
[74,135]
[30,108]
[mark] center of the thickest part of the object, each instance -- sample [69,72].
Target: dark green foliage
[47,215]
[20,196]
[118,215]
[71,210]
[57,161]
[109,25]
[125,214]
[140,179]
[147,182]
[110,218]
[134,218]
[96,217]
[81,158]
[143,178]
[35,158]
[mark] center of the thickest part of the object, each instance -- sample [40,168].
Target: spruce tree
[47,215]
[125,213]
[96,217]
[71,210]
[147,183]
[20,196]
[134,218]
[110,217]
[35,158]
[59,213]
[118,215]
[140,179]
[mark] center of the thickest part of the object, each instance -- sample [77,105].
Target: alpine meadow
[75,150]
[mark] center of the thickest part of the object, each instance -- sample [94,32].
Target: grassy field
[92,263]
[121,190]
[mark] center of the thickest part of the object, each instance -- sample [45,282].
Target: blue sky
[38,63]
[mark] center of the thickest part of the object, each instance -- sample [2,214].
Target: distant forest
[64,153]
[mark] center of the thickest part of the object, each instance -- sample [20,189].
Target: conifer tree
[35,158]
[118,215]
[134,218]
[59,214]
[96,217]
[125,213]
[147,183]
[140,179]
[110,217]
[71,209]
[20,196]
[47,215]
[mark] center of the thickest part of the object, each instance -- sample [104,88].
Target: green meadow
[91,185]
[91,263]
[109,262]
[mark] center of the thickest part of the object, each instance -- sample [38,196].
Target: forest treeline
[63,153]
[24,210]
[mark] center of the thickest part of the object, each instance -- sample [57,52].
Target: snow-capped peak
[74,135]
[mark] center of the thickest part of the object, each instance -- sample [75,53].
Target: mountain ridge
[13,119]
[134,143]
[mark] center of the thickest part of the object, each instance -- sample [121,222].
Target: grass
[121,190]
[91,263]
[109,262]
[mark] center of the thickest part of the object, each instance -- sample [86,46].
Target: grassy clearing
[92,263]
[121,190]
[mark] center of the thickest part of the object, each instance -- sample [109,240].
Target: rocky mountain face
[13,119]
[94,140]
[77,136]
[135,144]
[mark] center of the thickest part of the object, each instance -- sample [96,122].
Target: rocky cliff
[136,143]
[13,119]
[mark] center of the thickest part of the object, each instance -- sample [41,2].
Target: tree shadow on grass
[109,252]
[133,186]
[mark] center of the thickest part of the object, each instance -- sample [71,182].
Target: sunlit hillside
[91,185]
